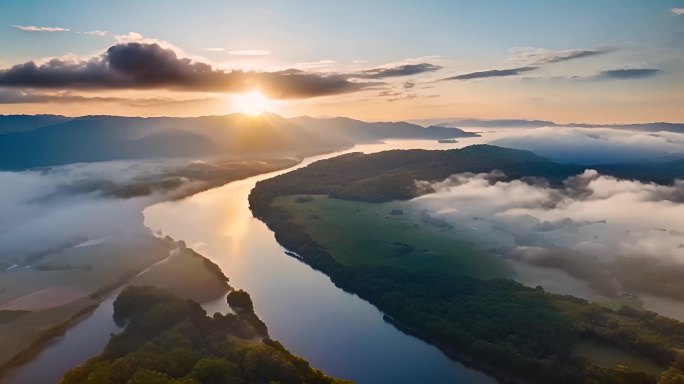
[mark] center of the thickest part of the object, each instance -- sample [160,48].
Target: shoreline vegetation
[167,339]
[513,332]
[143,260]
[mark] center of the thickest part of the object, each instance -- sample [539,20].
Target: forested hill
[168,340]
[45,140]
[517,333]
[391,175]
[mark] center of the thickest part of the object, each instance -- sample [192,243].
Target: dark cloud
[570,55]
[536,56]
[401,70]
[149,66]
[13,96]
[628,73]
[389,93]
[492,73]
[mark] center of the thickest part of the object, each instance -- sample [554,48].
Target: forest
[167,339]
[514,332]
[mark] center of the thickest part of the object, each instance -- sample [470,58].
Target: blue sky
[325,36]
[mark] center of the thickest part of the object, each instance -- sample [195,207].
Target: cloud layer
[400,70]
[539,56]
[594,145]
[148,66]
[33,28]
[595,227]
[633,73]
[492,73]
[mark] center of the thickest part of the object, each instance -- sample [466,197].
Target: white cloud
[33,28]
[592,214]
[213,49]
[593,145]
[315,64]
[135,37]
[678,11]
[250,52]
[96,32]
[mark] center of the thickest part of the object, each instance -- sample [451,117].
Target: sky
[603,61]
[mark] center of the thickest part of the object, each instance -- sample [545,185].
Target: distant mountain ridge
[522,123]
[44,140]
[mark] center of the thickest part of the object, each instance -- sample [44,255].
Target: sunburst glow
[252,103]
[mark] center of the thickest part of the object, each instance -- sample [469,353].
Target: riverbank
[324,324]
[35,307]
[521,331]
[180,270]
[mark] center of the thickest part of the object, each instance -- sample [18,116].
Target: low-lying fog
[597,236]
[620,236]
[592,145]
[58,207]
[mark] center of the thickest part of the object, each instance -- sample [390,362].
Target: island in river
[170,340]
[328,214]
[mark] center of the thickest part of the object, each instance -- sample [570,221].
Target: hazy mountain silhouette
[522,123]
[18,123]
[353,130]
[44,140]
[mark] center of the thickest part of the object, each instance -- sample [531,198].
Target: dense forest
[170,340]
[391,175]
[513,331]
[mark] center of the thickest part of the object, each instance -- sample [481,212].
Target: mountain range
[46,140]
[522,123]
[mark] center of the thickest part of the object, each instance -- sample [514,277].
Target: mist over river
[336,331]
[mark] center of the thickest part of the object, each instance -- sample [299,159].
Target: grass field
[185,274]
[390,234]
[34,300]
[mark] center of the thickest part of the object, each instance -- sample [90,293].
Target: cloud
[14,96]
[629,73]
[130,37]
[96,32]
[409,84]
[492,73]
[590,227]
[388,92]
[250,52]
[315,64]
[149,66]
[213,49]
[65,205]
[396,71]
[538,56]
[33,28]
[408,96]
[36,203]
[677,11]
[593,145]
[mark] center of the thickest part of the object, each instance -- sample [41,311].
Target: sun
[252,103]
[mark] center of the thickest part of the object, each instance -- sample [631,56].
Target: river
[336,331]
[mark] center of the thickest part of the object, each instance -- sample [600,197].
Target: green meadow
[392,233]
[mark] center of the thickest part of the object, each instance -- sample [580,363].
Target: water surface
[336,331]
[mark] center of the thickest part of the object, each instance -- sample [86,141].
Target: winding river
[336,331]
